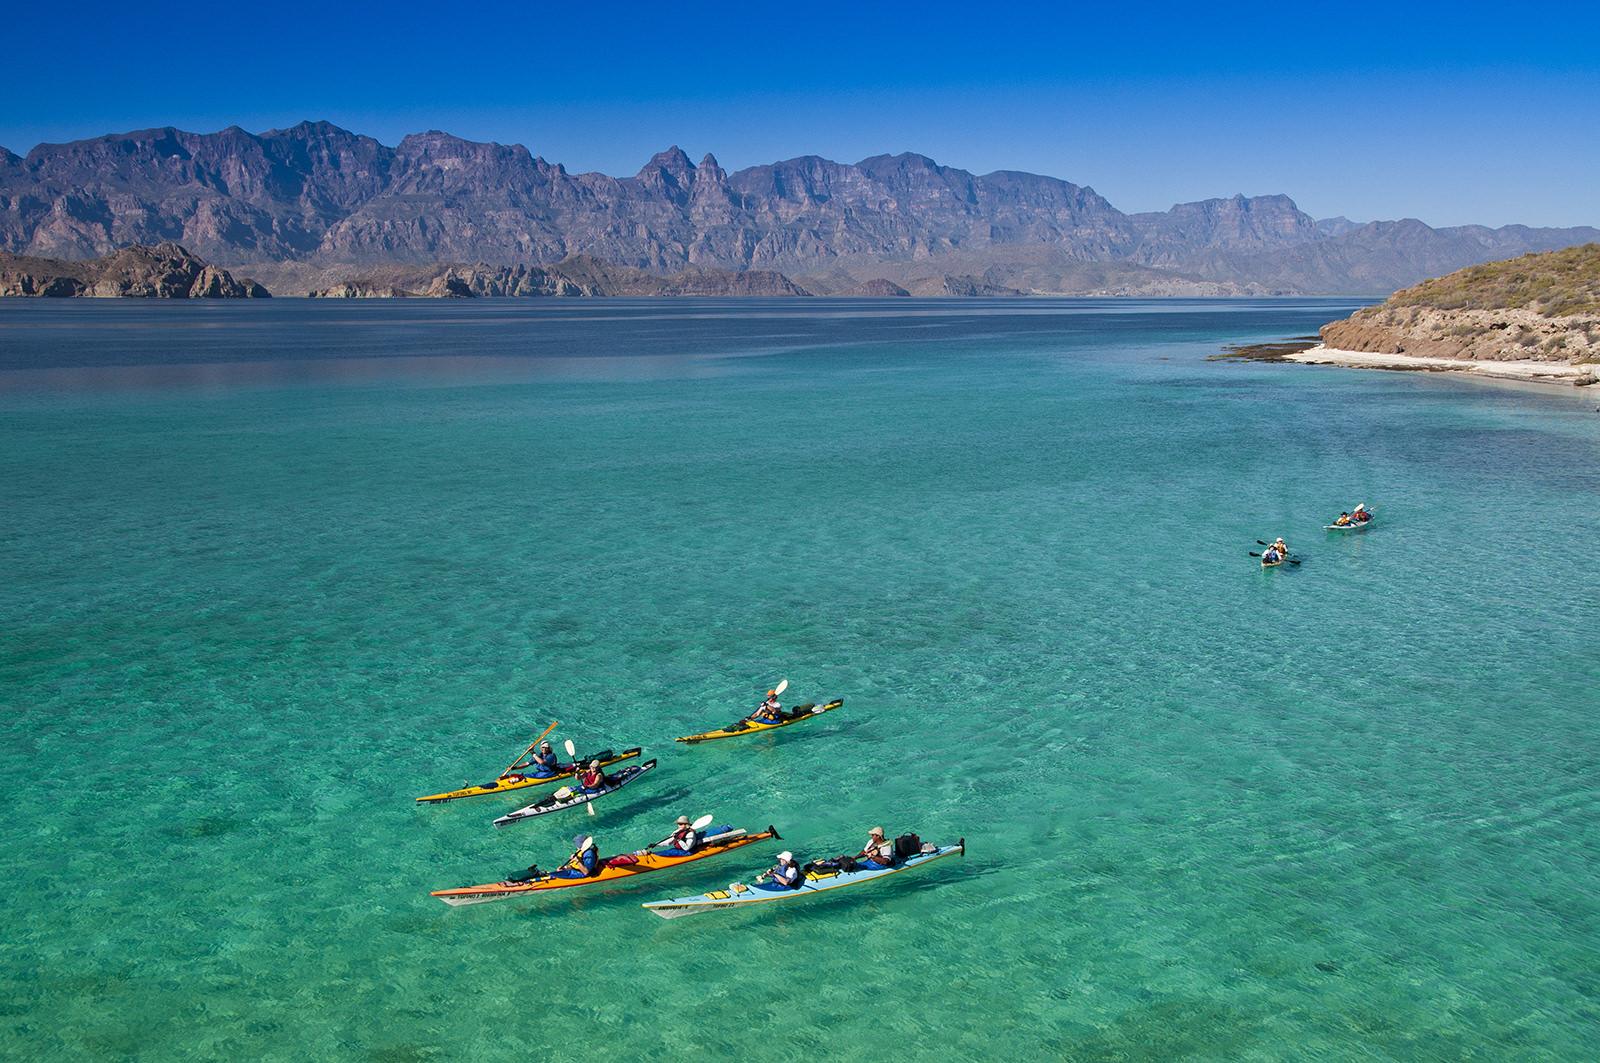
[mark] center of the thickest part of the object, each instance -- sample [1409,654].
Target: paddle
[572,751]
[700,824]
[525,752]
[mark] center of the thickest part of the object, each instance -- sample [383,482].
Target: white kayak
[815,882]
[572,796]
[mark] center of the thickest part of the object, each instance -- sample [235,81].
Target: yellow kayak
[516,781]
[749,727]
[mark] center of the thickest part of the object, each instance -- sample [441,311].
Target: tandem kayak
[568,797]
[1355,525]
[616,870]
[747,726]
[507,783]
[816,881]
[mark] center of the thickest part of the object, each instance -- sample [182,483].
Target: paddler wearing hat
[768,711]
[683,840]
[785,873]
[585,861]
[877,853]
[593,779]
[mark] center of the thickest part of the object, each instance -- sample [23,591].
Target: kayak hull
[555,802]
[507,783]
[618,875]
[748,727]
[815,882]
[1353,526]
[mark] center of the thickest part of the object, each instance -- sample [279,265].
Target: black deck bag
[907,845]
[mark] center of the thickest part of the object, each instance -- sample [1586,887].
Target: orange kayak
[615,870]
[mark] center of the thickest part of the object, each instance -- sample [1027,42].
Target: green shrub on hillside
[1551,283]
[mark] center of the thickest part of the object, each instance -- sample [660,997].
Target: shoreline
[1560,373]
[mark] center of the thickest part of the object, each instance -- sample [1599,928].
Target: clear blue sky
[1451,113]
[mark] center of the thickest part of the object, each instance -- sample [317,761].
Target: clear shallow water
[273,571]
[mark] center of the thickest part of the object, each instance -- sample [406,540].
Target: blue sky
[1453,114]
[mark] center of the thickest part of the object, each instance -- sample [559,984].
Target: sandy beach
[1564,373]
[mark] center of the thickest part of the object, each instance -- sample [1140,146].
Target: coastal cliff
[165,271]
[1539,310]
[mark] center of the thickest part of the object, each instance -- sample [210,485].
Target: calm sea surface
[268,572]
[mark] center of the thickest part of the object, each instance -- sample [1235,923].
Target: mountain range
[316,205]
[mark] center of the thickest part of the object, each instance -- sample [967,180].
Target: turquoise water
[273,571]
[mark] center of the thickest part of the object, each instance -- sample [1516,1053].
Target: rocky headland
[1536,317]
[165,271]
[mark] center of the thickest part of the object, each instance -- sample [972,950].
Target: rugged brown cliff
[165,271]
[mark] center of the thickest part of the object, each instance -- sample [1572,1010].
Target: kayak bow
[568,797]
[611,870]
[739,896]
[517,781]
[748,726]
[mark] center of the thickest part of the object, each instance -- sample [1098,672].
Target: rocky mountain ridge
[315,205]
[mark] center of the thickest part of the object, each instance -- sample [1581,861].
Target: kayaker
[785,873]
[593,778]
[877,853]
[544,761]
[770,711]
[1344,519]
[683,840]
[585,862]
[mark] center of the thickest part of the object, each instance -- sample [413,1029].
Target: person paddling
[593,779]
[584,862]
[877,853]
[769,711]
[683,840]
[545,763]
[785,873]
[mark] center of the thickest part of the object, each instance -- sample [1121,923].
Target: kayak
[507,783]
[568,797]
[745,727]
[1355,525]
[816,881]
[617,869]
[1272,563]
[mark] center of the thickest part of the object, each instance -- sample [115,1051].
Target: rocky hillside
[1539,307]
[314,205]
[165,271]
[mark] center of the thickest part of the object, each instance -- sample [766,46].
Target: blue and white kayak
[815,882]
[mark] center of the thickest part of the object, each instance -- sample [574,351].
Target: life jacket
[593,780]
[587,861]
[786,882]
[684,838]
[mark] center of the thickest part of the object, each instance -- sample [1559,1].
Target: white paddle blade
[590,806]
[703,822]
[572,750]
[1361,507]
[781,687]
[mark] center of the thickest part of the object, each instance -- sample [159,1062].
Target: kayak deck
[567,797]
[747,726]
[516,781]
[815,882]
[639,863]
